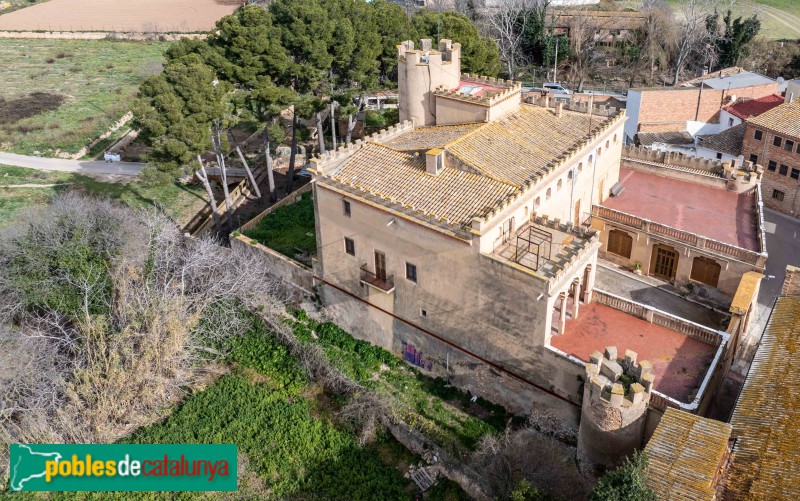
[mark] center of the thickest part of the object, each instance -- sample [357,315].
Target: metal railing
[384,283]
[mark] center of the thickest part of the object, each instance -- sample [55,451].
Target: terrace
[718,214]
[683,354]
[543,246]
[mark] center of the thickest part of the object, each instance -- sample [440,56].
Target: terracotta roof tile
[424,138]
[783,119]
[523,145]
[753,107]
[669,137]
[400,178]
[728,141]
[766,420]
[684,456]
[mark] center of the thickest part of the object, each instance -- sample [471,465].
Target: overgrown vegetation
[626,483]
[61,94]
[181,202]
[289,230]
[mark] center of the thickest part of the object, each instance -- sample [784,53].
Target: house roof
[676,137]
[400,179]
[766,419]
[783,119]
[753,107]
[435,136]
[684,456]
[737,81]
[728,141]
[523,145]
[732,70]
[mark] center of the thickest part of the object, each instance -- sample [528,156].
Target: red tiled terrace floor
[679,362]
[714,213]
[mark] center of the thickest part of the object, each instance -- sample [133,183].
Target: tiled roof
[684,456]
[676,137]
[400,178]
[728,141]
[724,72]
[783,119]
[520,146]
[766,420]
[436,136]
[753,107]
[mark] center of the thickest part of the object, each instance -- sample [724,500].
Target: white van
[556,88]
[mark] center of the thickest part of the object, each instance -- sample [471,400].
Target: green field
[181,202]
[289,230]
[780,19]
[80,88]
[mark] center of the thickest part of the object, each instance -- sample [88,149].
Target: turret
[420,72]
[615,398]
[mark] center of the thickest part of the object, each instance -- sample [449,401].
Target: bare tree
[507,23]
[692,37]
[585,38]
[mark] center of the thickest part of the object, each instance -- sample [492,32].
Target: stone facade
[781,190]
[791,284]
[613,418]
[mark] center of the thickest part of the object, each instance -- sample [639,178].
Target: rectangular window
[411,272]
[757,135]
[772,165]
[719,156]
[777,140]
[783,170]
[349,246]
[754,158]
[730,122]
[789,145]
[777,195]
[795,174]
[346,207]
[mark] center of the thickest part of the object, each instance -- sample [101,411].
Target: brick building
[773,140]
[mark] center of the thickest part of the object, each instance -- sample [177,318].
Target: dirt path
[78,166]
[789,20]
[33,185]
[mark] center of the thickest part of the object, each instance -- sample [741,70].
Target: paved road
[78,166]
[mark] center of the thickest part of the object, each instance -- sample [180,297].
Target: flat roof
[766,419]
[679,362]
[737,81]
[685,455]
[714,213]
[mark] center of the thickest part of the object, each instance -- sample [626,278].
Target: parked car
[556,88]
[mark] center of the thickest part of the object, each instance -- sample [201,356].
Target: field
[179,201]
[780,19]
[141,16]
[61,94]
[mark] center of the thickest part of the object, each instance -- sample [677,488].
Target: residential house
[772,140]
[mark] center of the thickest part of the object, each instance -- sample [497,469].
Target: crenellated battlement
[605,376]
[325,162]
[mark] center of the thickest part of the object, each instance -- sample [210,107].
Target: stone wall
[296,276]
[791,284]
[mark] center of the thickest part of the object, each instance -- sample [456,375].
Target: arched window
[537,203]
[549,193]
[560,184]
[599,151]
[620,243]
[705,271]
[606,144]
[580,166]
[590,159]
[615,139]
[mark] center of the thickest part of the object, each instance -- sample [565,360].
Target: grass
[774,25]
[180,202]
[289,230]
[97,78]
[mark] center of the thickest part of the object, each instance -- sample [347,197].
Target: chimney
[434,161]
[546,101]
[791,284]
[559,108]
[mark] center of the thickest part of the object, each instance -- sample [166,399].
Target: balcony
[382,283]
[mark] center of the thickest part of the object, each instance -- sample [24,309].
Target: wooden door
[380,265]
[665,262]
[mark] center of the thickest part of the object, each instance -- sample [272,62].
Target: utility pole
[555,65]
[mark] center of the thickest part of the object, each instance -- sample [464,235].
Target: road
[77,166]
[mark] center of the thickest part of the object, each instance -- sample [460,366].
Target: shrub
[626,483]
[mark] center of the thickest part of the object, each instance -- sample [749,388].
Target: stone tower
[615,398]
[420,72]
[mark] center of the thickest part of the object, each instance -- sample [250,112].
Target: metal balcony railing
[384,283]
